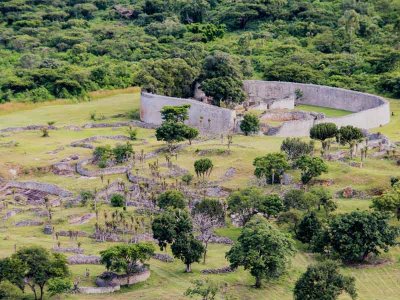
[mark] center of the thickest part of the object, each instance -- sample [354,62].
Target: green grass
[168,281]
[329,112]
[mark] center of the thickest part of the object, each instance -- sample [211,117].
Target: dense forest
[66,48]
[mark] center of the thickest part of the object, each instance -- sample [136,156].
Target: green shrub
[117,200]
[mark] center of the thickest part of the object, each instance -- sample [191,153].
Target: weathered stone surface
[48,229]
[223,270]
[81,259]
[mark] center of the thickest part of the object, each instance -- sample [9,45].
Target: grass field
[329,112]
[33,153]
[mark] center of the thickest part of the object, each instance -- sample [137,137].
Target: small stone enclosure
[369,111]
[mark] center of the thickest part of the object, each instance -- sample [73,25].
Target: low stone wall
[370,111]
[205,117]
[119,280]
[80,169]
[87,143]
[98,290]
[38,186]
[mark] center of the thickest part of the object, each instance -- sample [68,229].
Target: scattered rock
[223,270]
[48,229]
[68,250]
[25,223]
[81,259]
[163,257]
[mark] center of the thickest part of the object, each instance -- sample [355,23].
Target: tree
[389,201]
[59,286]
[173,129]
[175,113]
[310,167]
[324,199]
[205,225]
[324,282]
[262,249]
[309,226]
[170,77]
[190,134]
[39,267]
[169,224]
[173,199]
[205,288]
[125,257]
[356,235]
[271,205]
[250,124]
[211,207]
[203,167]
[171,133]
[243,203]
[350,135]
[295,148]
[224,89]
[271,166]
[323,132]
[188,249]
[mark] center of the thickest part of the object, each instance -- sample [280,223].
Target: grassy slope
[168,280]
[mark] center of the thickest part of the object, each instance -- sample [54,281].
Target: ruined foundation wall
[370,111]
[205,117]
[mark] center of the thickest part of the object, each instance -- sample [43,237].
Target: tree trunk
[41,292]
[188,268]
[205,253]
[258,282]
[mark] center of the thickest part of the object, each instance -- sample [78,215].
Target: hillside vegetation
[64,49]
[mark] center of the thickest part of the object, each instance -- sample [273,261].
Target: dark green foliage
[190,134]
[324,132]
[175,113]
[310,167]
[271,167]
[68,48]
[169,224]
[125,257]
[173,199]
[212,208]
[188,249]
[324,282]
[187,178]
[122,152]
[356,235]
[59,286]
[389,201]
[309,226]
[262,249]
[173,130]
[244,203]
[119,154]
[271,205]
[349,134]
[250,124]
[203,167]
[295,148]
[224,89]
[37,266]
[117,200]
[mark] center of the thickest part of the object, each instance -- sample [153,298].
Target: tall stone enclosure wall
[370,111]
[205,117]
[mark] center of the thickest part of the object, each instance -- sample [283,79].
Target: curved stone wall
[205,117]
[370,111]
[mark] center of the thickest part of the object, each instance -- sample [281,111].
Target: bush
[309,226]
[117,200]
[132,132]
[295,148]
[173,199]
[250,124]
[187,178]
[122,152]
